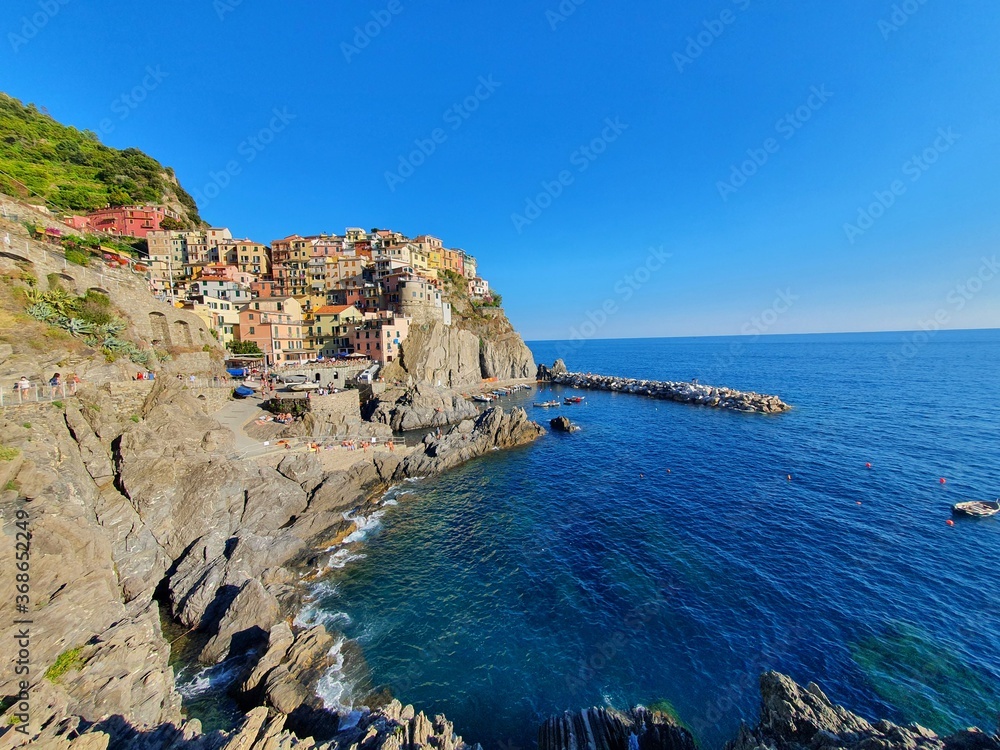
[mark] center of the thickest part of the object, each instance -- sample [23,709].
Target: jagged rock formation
[455,357]
[546,374]
[606,729]
[494,429]
[797,718]
[420,406]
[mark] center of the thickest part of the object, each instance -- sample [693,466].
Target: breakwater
[685,393]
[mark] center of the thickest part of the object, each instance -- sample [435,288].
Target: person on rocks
[74,383]
[55,383]
[23,384]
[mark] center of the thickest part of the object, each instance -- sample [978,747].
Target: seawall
[715,397]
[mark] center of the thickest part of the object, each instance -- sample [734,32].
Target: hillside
[42,160]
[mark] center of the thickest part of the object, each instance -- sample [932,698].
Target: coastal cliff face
[478,346]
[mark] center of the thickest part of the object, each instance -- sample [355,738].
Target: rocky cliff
[480,345]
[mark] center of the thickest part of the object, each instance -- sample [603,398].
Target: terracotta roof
[332,309]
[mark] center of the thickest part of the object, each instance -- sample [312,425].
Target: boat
[976,508]
[573,399]
[243,392]
[482,399]
[303,387]
[546,404]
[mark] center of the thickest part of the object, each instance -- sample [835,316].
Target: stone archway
[181,333]
[160,329]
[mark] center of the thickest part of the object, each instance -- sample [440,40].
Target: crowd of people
[57,386]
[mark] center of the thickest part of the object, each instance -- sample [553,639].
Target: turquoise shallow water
[578,571]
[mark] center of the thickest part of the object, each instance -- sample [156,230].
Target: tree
[170,224]
[244,347]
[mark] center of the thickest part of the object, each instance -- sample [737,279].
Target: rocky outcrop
[546,374]
[419,407]
[685,393]
[456,357]
[494,429]
[797,718]
[606,729]
[437,354]
[562,424]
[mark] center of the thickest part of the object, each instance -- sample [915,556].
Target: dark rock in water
[562,424]
[797,718]
[559,368]
[606,729]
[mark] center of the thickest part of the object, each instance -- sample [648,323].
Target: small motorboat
[304,387]
[546,404]
[976,508]
[243,392]
[482,399]
[573,399]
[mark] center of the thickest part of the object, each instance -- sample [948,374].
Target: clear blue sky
[690,114]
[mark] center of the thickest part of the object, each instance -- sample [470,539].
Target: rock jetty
[685,393]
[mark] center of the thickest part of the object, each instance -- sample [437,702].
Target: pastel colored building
[275,325]
[124,221]
[479,288]
[221,315]
[333,328]
[381,339]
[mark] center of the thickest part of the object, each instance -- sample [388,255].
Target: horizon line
[763,335]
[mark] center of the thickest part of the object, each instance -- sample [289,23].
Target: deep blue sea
[662,555]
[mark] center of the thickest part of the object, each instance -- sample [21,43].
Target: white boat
[483,399]
[304,387]
[976,508]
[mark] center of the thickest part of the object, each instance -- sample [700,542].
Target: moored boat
[546,404]
[243,392]
[304,387]
[573,399]
[976,508]
[482,399]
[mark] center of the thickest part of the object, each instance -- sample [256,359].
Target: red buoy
[868,466]
[942,480]
[950,522]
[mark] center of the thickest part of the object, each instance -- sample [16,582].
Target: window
[252,331]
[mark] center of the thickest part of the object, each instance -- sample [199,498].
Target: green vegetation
[72,170]
[59,404]
[8,453]
[244,347]
[90,317]
[12,485]
[136,418]
[77,257]
[26,425]
[66,662]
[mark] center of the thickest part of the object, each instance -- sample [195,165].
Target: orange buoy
[942,480]
[950,522]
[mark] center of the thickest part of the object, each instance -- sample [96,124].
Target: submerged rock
[562,424]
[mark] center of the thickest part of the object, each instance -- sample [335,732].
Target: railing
[35,394]
[360,444]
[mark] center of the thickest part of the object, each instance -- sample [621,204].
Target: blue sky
[563,143]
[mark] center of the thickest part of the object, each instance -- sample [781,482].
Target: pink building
[124,221]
